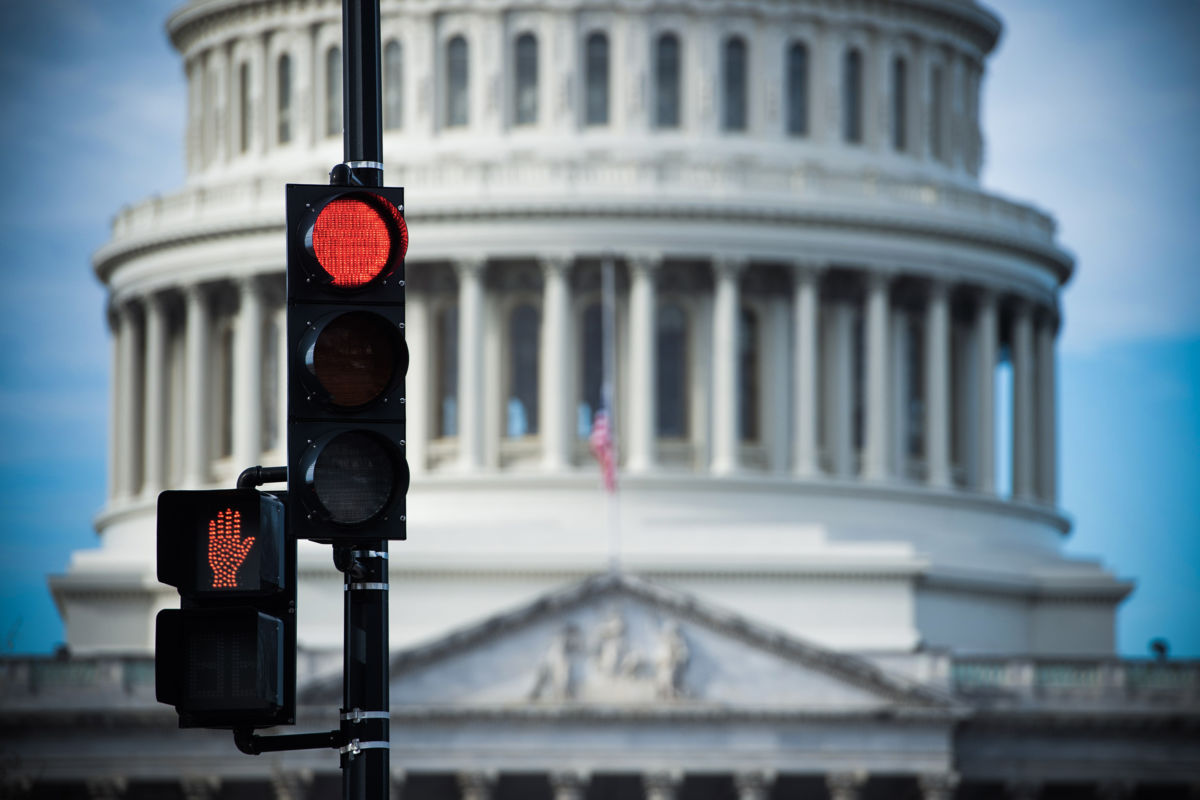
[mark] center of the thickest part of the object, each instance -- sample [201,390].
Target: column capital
[195,292]
[251,283]
[753,785]
[469,266]
[845,785]
[938,785]
[569,784]
[645,263]
[662,784]
[477,785]
[199,787]
[729,266]
[808,268]
[1023,789]
[878,278]
[556,264]
[939,288]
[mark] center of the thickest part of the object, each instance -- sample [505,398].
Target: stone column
[247,375]
[875,456]
[725,366]
[1047,427]
[937,386]
[845,785]
[643,362]
[986,336]
[470,362]
[938,785]
[114,404]
[129,418]
[569,785]
[753,785]
[661,785]
[555,374]
[804,406]
[476,785]
[840,393]
[420,381]
[155,397]
[196,385]
[1023,404]
[901,382]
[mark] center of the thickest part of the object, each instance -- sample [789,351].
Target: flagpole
[607,394]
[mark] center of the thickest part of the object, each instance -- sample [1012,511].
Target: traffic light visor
[356,238]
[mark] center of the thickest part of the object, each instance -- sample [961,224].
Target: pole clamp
[377,587]
[355,747]
[358,715]
[364,165]
[369,554]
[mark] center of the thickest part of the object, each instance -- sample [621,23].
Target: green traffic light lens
[353,477]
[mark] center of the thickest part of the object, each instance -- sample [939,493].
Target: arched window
[525,106]
[456,82]
[748,387]
[244,107]
[393,86]
[797,89]
[671,344]
[283,87]
[899,105]
[733,84]
[596,80]
[591,366]
[852,75]
[666,81]
[447,371]
[521,410]
[936,145]
[333,91]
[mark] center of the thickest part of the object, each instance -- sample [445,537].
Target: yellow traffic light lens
[356,358]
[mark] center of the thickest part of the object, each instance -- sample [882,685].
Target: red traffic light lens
[356,357]
[354,476]
[355,239]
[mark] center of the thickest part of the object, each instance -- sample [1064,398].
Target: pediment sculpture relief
[605,664]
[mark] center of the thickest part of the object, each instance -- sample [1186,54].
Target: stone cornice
[971,22]
[1047,256]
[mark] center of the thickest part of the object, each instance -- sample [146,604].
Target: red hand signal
[226,548]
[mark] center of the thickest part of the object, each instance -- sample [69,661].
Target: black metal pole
[365,728]
[362,99]
[366,773]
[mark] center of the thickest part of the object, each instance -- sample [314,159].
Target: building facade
[813,579]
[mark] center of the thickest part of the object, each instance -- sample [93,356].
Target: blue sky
[1091,110]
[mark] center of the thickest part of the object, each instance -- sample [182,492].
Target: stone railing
[544,183]
[1102,680]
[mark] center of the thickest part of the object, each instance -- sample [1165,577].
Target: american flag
[601,443]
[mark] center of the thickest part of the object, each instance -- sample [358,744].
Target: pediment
[620,642]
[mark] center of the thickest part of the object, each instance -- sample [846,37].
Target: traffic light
[347,471]
[227,657]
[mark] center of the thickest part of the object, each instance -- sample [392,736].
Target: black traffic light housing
[227,657]
[347,359]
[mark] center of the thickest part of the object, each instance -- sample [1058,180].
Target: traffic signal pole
[366,706]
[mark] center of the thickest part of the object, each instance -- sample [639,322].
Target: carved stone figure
[554,675]
[670,660]
[612,653]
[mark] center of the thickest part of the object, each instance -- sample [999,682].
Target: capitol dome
[814,294]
